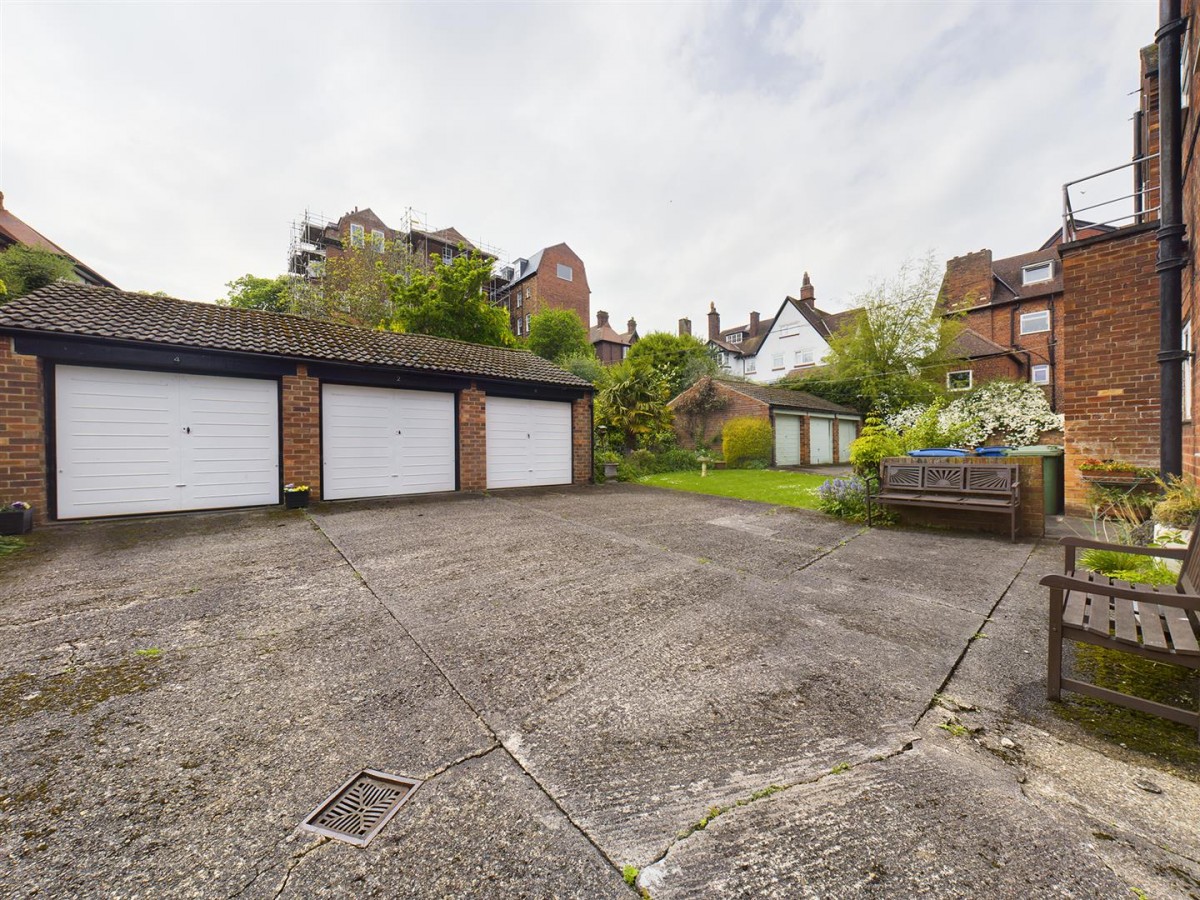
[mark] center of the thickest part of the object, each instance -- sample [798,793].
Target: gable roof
[606,332]
[970,344]
[824,323]
[785,398]
[105,313]
[14,230]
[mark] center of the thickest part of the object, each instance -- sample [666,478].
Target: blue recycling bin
[992,451]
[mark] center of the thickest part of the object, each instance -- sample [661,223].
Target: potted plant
[1114,471]
[16,518]
[295,496]
[609,459]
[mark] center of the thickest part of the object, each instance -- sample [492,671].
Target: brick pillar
[22,431]
[581,440]
[472,439]
[302,430]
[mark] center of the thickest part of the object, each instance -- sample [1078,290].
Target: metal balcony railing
[1142,205]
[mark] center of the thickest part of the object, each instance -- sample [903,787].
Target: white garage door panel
[383,442]
[787,440]
[820,448]
[847,432]
[137,442]
[528,442]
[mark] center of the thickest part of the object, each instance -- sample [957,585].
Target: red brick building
[610,346]
[553,278]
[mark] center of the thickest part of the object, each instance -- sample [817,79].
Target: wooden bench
[1159,623]
[982,487]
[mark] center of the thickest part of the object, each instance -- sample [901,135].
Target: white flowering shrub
[1014,411]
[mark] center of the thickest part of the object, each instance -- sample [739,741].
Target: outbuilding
[808,430]
[114,403]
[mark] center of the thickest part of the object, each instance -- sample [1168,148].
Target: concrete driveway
[733,699]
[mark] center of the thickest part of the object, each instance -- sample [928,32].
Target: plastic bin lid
[937,451]
[1037,450]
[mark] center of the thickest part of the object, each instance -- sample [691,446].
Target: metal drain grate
[356,811]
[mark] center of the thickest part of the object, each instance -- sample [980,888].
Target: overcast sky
[688,152]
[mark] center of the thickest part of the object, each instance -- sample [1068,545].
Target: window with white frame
[377,240]
[777,361]
[750,367]
[1186,344]
[447,255]
[565,273]
[1040,375]
[518,298]
[1035,322]
[357,235]
[790,330]
[1037,272]
[526,293]
[806,357]
[527,323]
[520,322]
[959,381]
[735,338]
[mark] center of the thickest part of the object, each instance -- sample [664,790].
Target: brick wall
[1031,516]
[302,430]
[705,430]
[1002,324]
[472,439]
[548,291]
[1110,336]
[22,430]
[1191,217]
[968,281]
[581,440]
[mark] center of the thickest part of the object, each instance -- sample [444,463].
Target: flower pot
[1114,477]
[295,499]
[610,471]
[17,521]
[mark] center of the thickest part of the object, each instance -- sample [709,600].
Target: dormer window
[1037,273]
[735,338]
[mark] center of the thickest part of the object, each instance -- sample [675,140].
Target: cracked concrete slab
[579,674]
[925,823]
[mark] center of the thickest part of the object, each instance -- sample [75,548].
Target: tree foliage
[821,384]
[747,440]
[255,292]
[898,348]
[631,405]
[449,301]
[682,358]
[356,286]
[584,365]
[557,333]
[25,269]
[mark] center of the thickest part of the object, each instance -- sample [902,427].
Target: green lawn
[764,485]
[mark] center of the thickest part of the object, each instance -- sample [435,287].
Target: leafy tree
[746,441]
[254,292]
[25,269]
[449,301]
[820,384]
[631,403]
[357,286]
[898,348]
[585,365]
[558,333]
[682,357]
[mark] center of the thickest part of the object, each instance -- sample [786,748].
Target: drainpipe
[1171,232]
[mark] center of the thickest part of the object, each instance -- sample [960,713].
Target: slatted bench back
[1189,571]
[958,478]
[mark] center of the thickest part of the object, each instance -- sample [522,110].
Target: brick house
[610,346]
[553,278]
[1110,318]
[807,430]
[117,403]
[13,230]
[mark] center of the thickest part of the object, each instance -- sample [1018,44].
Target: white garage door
[820,447]
[528,442]
[787,440]
[381,442]
[139,442]
[847,432]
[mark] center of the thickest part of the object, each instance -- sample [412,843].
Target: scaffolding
[309,245]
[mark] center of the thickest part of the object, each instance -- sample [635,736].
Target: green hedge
[746,442]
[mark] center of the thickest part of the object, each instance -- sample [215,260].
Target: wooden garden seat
[1160,623]
[968,485]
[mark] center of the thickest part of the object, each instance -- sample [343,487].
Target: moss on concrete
[76,690]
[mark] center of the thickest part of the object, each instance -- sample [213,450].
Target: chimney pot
[685,327]
[632,326]
[601,318]
[714,322]
[807,294]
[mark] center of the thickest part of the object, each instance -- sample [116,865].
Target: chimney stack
[714,322]
[807,294]
[601,318]
[685,325]
[753,324]
[632,326]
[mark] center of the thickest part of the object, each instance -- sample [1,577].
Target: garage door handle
[187,429]
[398,431]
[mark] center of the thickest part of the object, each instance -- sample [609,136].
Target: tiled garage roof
[95,312]
[786,398]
